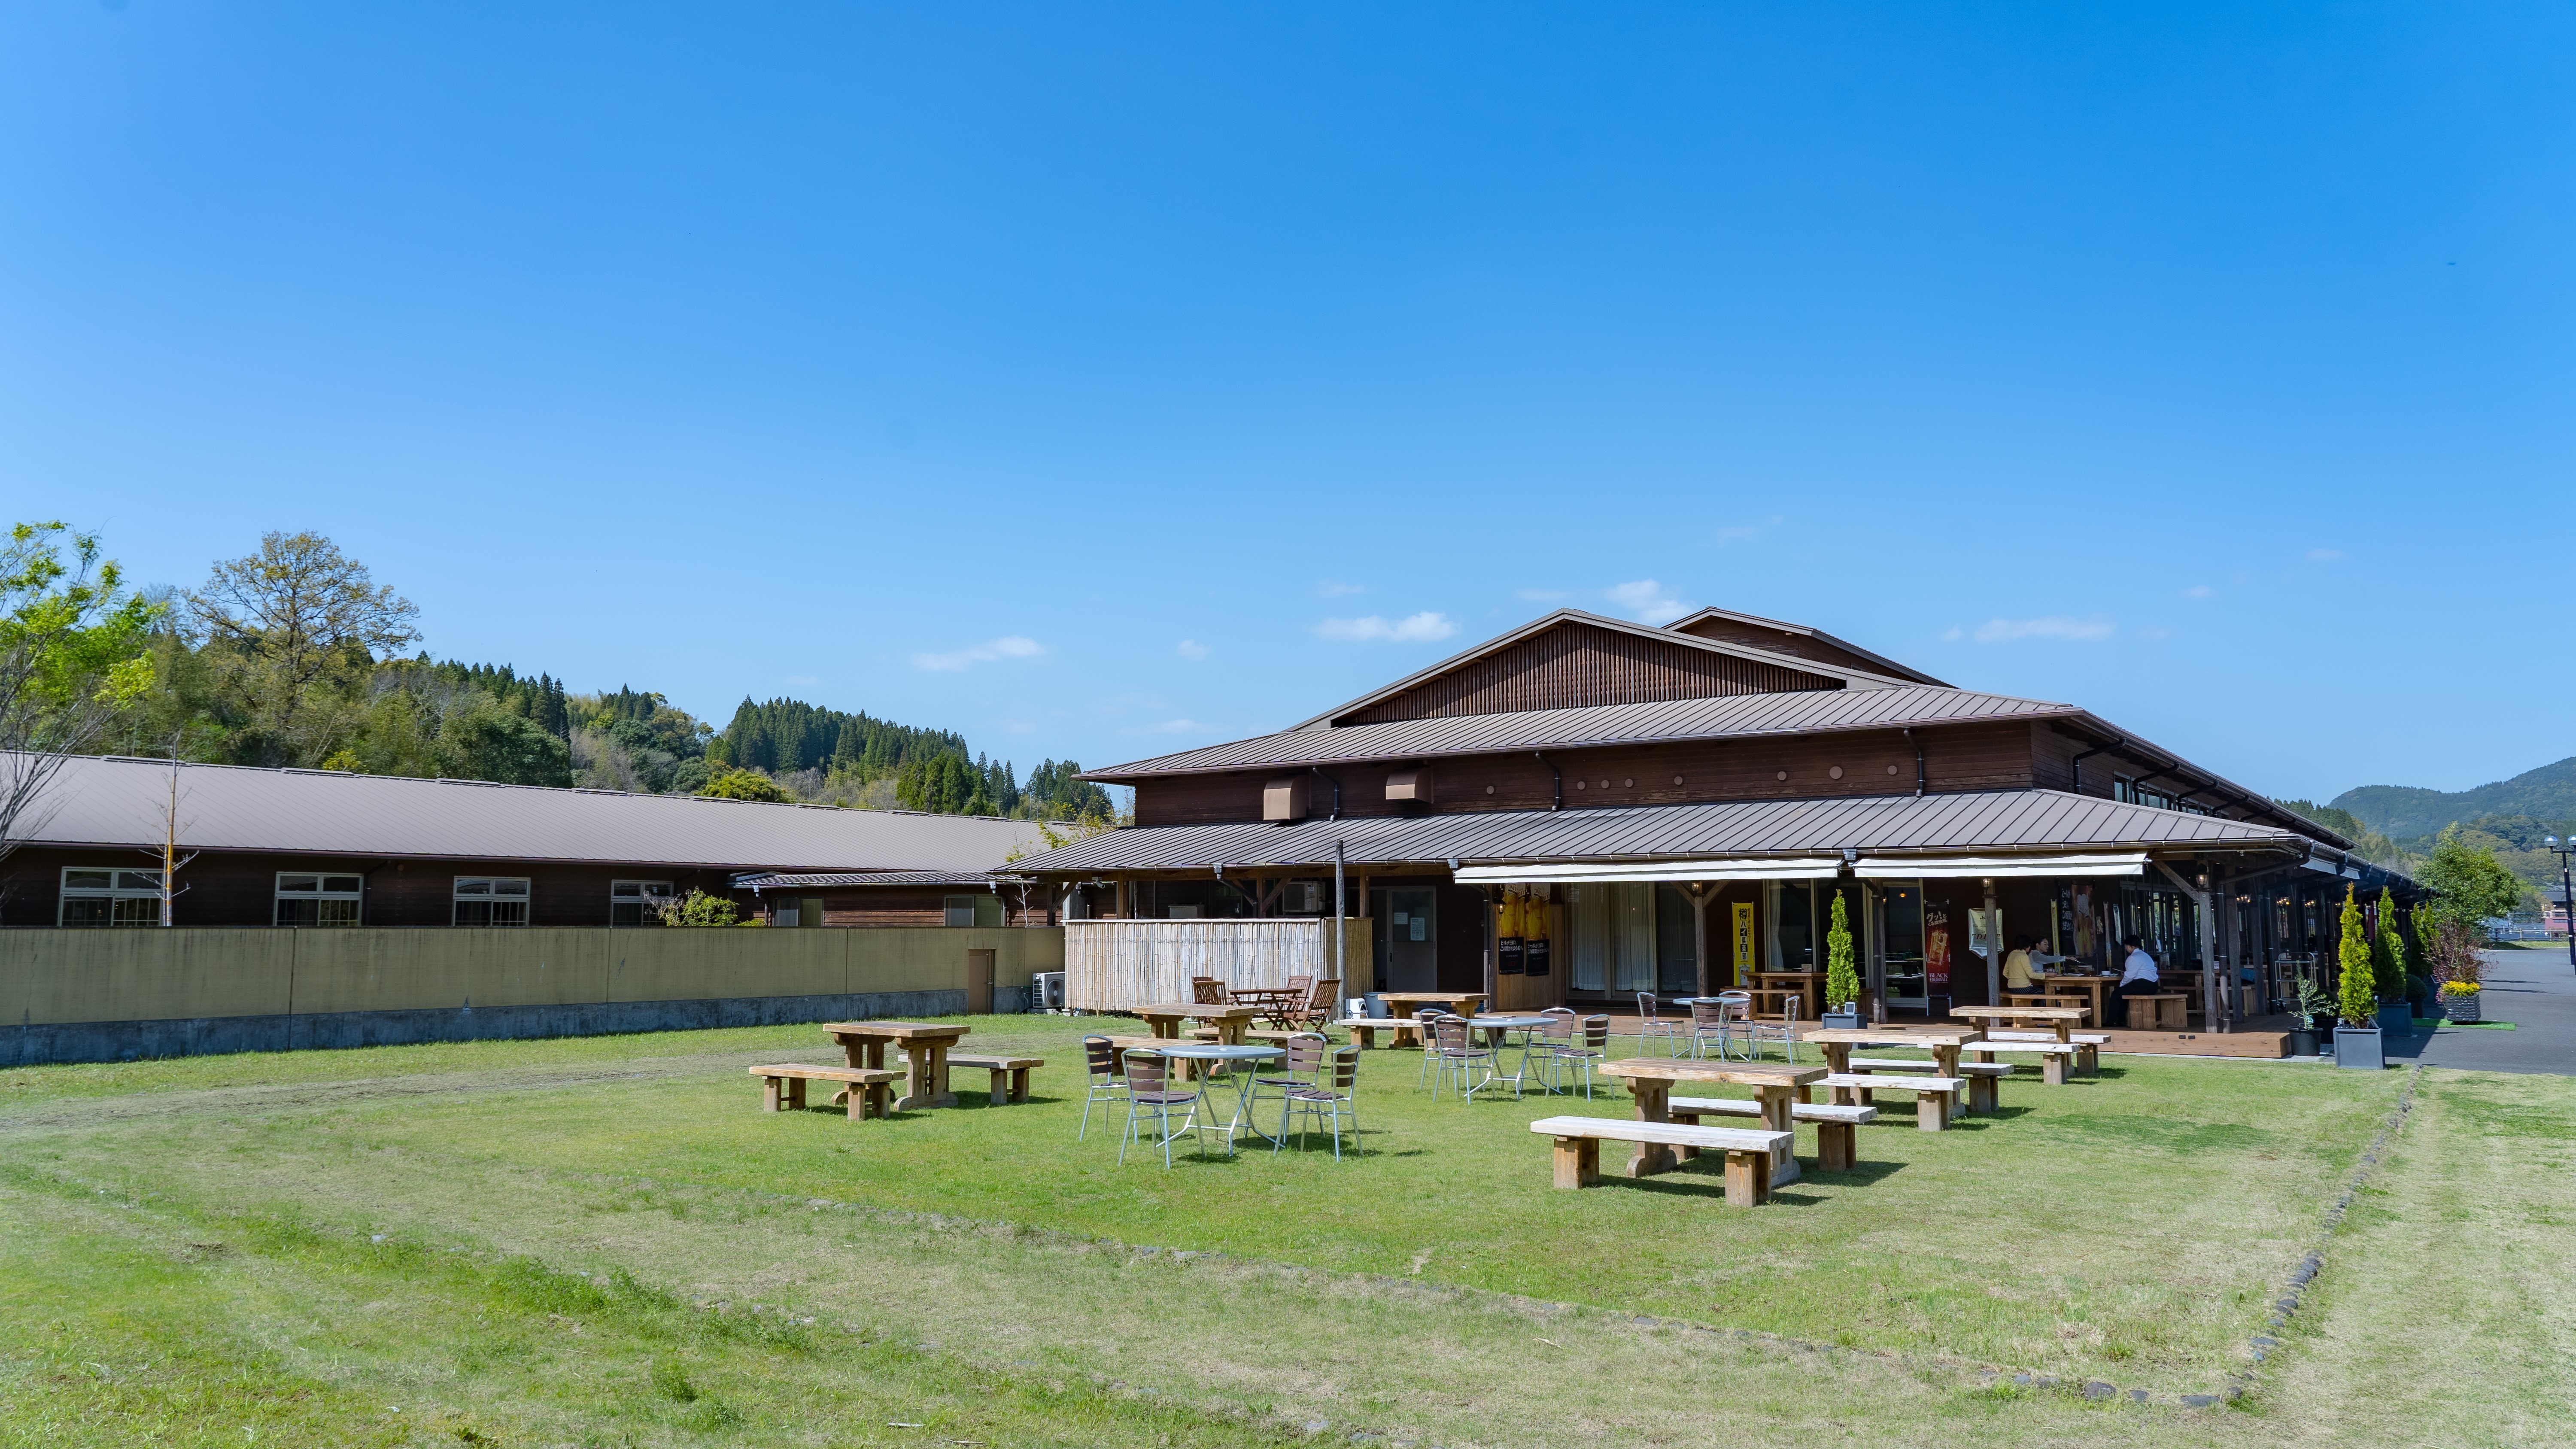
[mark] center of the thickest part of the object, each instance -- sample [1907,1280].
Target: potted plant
[2460,1000]
[1842,983]
[2316,1010]
[2358,1041]
[2387,969]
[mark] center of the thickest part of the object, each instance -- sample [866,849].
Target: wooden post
[1994,949]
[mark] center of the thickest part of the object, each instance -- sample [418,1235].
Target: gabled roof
[109,802]
[1829,676]
[1885,664]
[1980,823]
[1722,717]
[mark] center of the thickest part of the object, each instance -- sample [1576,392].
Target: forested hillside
[295,656]
[2405,811]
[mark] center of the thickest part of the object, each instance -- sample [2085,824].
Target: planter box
[2303,1043]
[1840,1021]
[2360,1048]
[2462,1008]
[2396,1018]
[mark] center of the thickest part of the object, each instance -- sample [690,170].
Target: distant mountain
[2405,812]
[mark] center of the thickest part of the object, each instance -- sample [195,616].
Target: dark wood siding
[1995,756]
[240,889]
[1574,665]
[1776,641]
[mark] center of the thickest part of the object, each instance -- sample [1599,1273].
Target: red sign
[1936,955]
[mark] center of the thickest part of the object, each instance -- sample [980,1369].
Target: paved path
[2536,991]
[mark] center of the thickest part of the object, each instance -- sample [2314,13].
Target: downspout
[2077,764]
[1318,771]
[1558,802]
[1918,763]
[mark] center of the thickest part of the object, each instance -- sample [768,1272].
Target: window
[319,900]
[491,900]
[632,902]
[110,897]
[973,910]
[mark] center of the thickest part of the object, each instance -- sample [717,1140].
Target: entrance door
[1408,942]
[979,983]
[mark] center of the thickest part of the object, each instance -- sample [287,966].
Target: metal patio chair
[1594,1047]
[1652,1026]
[1304,1065]
[1423,1020]
[1713,1022]
[1334,1096]
[1149,1093]
[1100,1059]
[1784,1031]
[1455,1054]
[1562,1029]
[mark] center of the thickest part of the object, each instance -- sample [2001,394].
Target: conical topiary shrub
[2357,996]
[2388,951]
[1842,983]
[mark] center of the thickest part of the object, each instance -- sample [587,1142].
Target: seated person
[2138,977]
[2022,967]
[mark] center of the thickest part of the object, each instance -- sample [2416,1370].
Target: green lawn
[601,1241]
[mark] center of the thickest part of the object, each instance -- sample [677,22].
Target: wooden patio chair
[1207,991]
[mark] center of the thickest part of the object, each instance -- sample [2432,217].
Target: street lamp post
[2566,889]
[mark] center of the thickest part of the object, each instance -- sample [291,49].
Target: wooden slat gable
[1574,665]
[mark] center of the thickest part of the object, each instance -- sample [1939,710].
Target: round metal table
[1216,1052]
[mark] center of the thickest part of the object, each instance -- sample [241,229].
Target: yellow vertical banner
[1743,942]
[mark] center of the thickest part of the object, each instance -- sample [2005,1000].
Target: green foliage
[697,908]
[2388,951]
[2358,993]
[1053,793]
[74,646]
[2367,843]
[1842,982]
[742,785]
[787,735]
[2547,793]
[2467,881]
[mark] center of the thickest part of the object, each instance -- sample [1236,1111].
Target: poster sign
[1534,914]
[1743,942]
[1983,933]
[1936,950]
[1507,935]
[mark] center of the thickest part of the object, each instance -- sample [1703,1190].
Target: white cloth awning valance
[2324,866]
[1804,868]
[1957,866]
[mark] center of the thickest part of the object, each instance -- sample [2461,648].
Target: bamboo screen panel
[1121,965]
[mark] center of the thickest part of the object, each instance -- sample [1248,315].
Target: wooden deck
[2270,1039]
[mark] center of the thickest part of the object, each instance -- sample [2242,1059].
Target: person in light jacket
[2138,977]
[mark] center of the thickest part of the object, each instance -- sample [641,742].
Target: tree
[2388,951]
[742,785]
[2356,993]
[1842,983]
[2468,883]
[296,618]
[74,650]
[697,908]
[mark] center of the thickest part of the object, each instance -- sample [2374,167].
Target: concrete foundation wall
[109,995]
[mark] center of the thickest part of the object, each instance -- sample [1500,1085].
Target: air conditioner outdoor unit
[1050,990]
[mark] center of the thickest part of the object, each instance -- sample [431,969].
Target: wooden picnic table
[2090,988]
[1408,1003]
[1805,985]
[1942,1041]
[925,1050]
[1164,1018]
[1650,1080]
[2061,1019]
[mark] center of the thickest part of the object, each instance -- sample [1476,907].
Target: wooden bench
[2162,1012]
[2053,1055]
[1010,1074]
[1748,1152]
[1931,1094]
[2088,1061]
[1405,1030]
[1980,1077]
[868,1086]
[1837,1143]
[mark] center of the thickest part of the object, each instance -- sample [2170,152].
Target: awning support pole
[1339,932]
[1994,949]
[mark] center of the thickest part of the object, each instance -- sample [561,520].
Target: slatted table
[1942,1041]
[925,1056]
[2061,1019]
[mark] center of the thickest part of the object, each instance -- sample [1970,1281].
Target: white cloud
[1745,532]
[1648,601]
[2324,555]
[1335,588]
[1413,628]
[801,679]
[1954,632]
[1008,647]
[2056,626]
[1192,649]
[2198,591]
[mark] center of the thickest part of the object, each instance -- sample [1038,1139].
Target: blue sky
[1102,381]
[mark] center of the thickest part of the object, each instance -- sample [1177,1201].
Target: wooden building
[311,848]
[1587,808]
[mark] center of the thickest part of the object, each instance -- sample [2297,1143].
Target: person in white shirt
[2138,977]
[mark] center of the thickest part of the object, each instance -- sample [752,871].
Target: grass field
[602,1242]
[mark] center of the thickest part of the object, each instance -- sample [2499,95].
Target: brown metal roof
[119,802]
[1984,822]
[1727,716]
[1890,666]
[883,879]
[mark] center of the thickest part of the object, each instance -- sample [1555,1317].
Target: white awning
[2325,866]
[1957,866]
[1800,868]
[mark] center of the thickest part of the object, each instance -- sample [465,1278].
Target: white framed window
[310,898]
[103,896]
[633,902]
[491,900]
